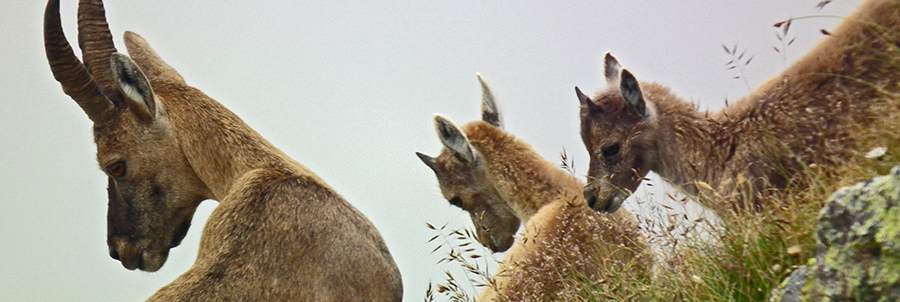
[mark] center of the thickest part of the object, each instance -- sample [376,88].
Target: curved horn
[68,70]
[96,43]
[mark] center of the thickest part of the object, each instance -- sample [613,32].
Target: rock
[790,289]
[858,252]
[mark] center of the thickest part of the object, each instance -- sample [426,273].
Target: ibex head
[466,183]
[153,190]
[617,128]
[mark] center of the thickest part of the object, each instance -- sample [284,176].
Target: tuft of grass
[577,260]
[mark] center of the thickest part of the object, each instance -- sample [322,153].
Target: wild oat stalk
[567,164]
[782,35]
[739,61]
[462,248]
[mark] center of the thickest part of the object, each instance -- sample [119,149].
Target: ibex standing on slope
[500,180]
[825,109]
[279,233]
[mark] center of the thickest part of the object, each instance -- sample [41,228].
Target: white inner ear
[132,92]
[454,139]
[134,85]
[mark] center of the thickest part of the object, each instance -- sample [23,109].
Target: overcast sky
[348,88]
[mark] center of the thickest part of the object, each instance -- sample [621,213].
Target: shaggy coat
[825,110]
[279,233]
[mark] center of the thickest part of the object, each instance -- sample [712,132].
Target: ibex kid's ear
[454,140]
[428,160]
[587,105]
[134,86]
[490,111]
[631,92]
[611,68]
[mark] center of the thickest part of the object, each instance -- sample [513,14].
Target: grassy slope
[742,257]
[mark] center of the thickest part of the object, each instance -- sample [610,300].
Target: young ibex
[279,233]
[500,180]
[823,110]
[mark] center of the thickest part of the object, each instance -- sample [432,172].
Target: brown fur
[279,233]
[563,239]
[561,233]
[819,111]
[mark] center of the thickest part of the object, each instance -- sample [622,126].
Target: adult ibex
[824,110]
[500,180]
[279,232]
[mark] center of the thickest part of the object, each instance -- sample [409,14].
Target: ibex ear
[611,68]
[587,105]
[428,160]
[490,111]
[134,86]
[147,58]
[454,139]
[631,92]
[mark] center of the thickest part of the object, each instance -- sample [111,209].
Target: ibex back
[500,180]
[826,109]
[279,233]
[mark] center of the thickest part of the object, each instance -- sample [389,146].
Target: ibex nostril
[610,206]
[113,252]
[138,261]
[590,197]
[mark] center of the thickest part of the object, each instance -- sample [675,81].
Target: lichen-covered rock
[858,256]
[858,252]
[789,291]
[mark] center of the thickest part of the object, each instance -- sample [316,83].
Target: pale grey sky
[348,88]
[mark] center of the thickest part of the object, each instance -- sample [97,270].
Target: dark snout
[133,257]
[129,255]
[605,201]
[495,241]
[142,240]
[502,246]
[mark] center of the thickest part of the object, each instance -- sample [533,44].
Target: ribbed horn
[96,43]
[76,81]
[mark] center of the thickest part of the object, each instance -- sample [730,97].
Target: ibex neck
[691,146]
[218,144]
[818,110]
[526,180]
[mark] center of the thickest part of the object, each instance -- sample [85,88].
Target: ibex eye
[456,201]
[610,151]
[117,169]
